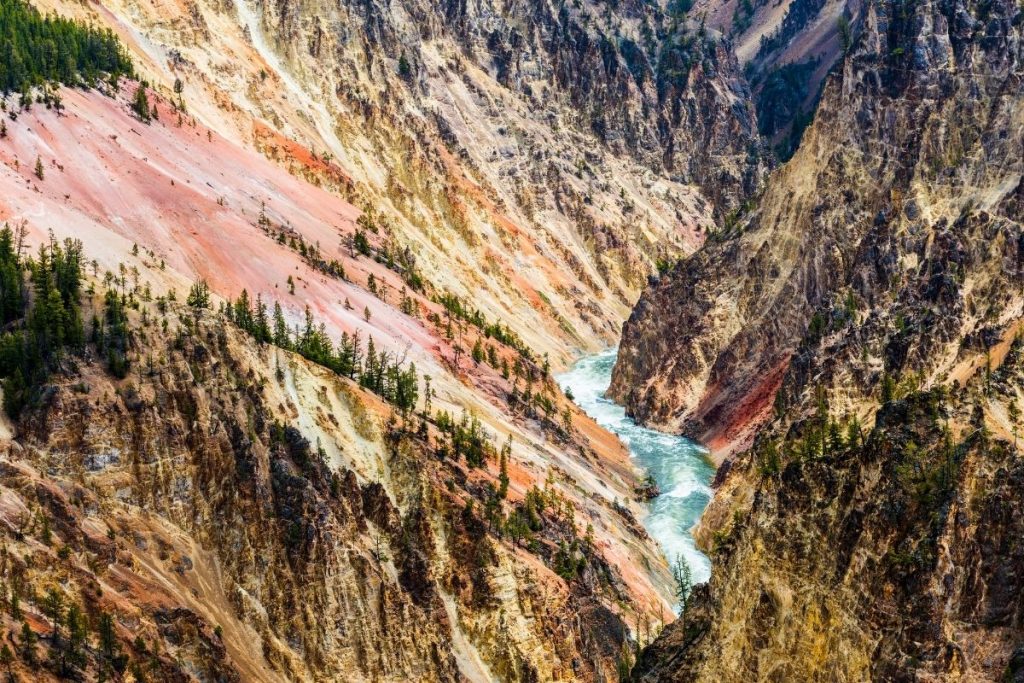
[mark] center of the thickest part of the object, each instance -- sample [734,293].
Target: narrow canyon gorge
[588,340]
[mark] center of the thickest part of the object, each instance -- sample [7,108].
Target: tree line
[381,372]
[42,317]
[37,49]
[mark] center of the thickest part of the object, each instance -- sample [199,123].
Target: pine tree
[53,605]
[683,577]
[28,643]
[281,337]
[261,326]
[73,653]
[179,87]
[140,105]
[6,659]
[242,312]
[39,167]
[37,50]
[506,453]
[199,295]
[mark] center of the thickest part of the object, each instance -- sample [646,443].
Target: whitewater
[679,466]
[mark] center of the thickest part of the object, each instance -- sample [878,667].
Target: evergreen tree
[503,481]
[281,336]
[36,50]
[140,103]
[53,606]
[243,312]
[683,578]
[28,644]
[37,337]
[6,659]
[261,326]
[199,295]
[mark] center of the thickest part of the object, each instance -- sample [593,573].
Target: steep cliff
[891,556]
[787,49]
[849,350]
[250,510]
[898,162]
[538,157]
[192,503]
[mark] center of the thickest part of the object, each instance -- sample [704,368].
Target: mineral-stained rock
[849,345]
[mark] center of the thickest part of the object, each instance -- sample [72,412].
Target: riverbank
[678,465]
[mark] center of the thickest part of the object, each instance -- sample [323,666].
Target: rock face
[887,559]
[850,345]
[538,157]
[786,48]
[186,503]
[897,163]
[640,82]
[255,515]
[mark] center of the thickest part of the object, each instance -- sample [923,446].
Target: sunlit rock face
[848,347]
[539,156]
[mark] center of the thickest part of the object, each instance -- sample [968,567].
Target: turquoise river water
[678,465]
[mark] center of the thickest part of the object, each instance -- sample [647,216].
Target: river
[678,465]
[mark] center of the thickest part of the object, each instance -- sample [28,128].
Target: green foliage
[568,562]
[503,481]
[37,49]
[140,103]
[458,309]
[816,327]
[39,334]
[466,438]
[888,388]
[785,105]
[361,243]
[28,644]
[682,576]
[199,295]
[112,334]
[742,16]
[845,34]
[379,372]
[768,461]
[677,9]
[624,666]
[929,474]
[12,289]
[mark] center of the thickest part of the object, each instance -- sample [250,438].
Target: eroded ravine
[679,466]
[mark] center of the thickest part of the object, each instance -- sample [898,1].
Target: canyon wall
[849,351]
[540,158]
[251,514]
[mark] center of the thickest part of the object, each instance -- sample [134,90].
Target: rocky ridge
[848,349]
[186,501]
[896,164]
[543,155]
[190,438]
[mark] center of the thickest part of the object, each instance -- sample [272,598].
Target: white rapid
[678,465]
